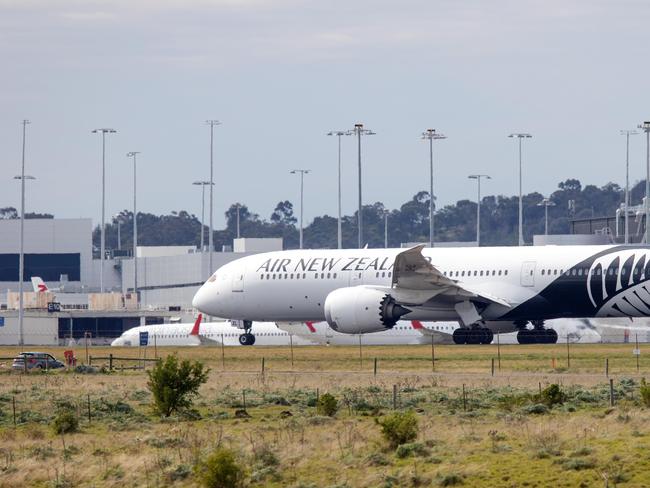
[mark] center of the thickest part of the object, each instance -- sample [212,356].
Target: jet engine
[362,309]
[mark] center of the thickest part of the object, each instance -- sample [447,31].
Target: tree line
[408,223]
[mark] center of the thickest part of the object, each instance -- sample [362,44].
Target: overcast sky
[279,74]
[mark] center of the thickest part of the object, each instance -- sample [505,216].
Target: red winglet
[42,287]
[310,326]
[195,329]
[417,324]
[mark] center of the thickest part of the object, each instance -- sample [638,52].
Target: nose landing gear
[247,338]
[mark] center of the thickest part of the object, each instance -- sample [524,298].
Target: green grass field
[498,433]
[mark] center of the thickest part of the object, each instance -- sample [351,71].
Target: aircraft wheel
[460,336]
[475,336]
[247,339]
[524,336]
[488,336]
[551,336]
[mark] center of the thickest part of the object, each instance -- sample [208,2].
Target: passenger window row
[296,276]
[494,272]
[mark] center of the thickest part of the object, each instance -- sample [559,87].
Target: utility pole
[431,135]
[359,131]
[102,247]
[211,123]
[520,136]
[478,205]
[302,173]
[134,154]
[339,234]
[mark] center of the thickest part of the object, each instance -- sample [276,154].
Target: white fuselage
[403,333]
[266,334]
[539,282]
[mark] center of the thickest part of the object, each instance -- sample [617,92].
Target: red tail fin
[310,326]
[195,329]
[417,324]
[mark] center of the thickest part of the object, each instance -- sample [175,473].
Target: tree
[174,383]
[283,213]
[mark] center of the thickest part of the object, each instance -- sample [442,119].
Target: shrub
[399,428]
[451,479]
[411,449]
[220,470]
[174,383]
[644,389]
[552,395]
[327,405]
[65,422]
[536,409]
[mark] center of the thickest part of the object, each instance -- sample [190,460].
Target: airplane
[403,333]
[39,285]
[209,333]
[487,290]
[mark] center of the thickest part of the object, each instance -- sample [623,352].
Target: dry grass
[489,444]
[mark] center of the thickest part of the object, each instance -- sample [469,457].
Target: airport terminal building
[60,251]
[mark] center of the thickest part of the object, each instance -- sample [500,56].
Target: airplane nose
[201,299]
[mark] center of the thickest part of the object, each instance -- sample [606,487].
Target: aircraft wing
[206,341]
[439,337]
[415,278]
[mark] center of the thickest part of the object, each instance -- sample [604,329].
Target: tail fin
[39,285]
[195,329]
[417,324]
[310,326]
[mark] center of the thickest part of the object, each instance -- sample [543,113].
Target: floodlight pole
[102,247]
[302,173]
[339,235]
[21,264]
[520,136]
[627,134]
[211,123]
[431,135]
[134,154]
[386,213]
[546,202]
[202,184]
[478,205]
[359,131]
[646,128]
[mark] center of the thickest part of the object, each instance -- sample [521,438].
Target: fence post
[433,356]
[262,365]
[89,408]
[394,397]
[499,350]
[568,353]
[291,346]
[464,398]
[13,399]
[492,366]
[611,392]
[375,368]
[90,360]
[317,395]
[607,367]
[243,395]
[110,362]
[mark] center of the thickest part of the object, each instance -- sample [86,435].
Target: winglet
[310,326]
[39,285]
[195,329]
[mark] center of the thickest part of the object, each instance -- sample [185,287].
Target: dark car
[38,360]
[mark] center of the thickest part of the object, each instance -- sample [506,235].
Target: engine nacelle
[361,309]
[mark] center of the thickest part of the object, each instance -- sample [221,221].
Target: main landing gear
[472,335]
[537,335]
[247,339]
